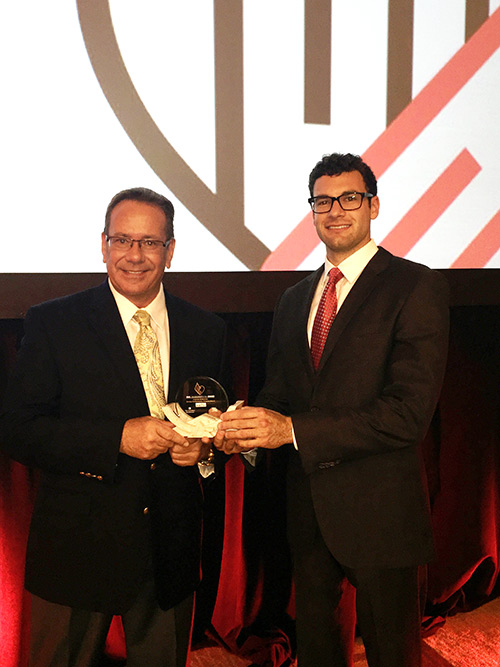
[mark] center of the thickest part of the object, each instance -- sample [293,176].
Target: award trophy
[198,394]
[190,413]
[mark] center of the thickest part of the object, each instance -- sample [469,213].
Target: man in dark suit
[116,527]
[352,414]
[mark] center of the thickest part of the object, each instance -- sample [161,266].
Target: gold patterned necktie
[147,354]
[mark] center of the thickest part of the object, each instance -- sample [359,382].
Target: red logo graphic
[411,122]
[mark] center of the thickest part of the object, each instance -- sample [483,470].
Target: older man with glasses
[116,528]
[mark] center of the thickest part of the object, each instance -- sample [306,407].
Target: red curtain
[464,468]
[16,500]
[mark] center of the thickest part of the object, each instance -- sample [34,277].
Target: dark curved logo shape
[222,213]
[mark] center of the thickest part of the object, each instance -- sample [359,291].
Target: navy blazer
[358,419]
[74,386]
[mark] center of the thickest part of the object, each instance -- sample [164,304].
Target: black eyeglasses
[125,243]
[350,201]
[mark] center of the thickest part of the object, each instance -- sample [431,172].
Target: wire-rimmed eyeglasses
[125,243]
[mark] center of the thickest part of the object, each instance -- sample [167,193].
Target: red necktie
[325,314]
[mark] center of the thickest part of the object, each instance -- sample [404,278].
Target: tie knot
[334,275]
[142,317]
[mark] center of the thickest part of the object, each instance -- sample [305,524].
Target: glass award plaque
[198,394]
[190,413]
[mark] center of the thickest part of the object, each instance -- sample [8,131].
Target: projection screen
[226,106]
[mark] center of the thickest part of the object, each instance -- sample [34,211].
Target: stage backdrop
[246,598]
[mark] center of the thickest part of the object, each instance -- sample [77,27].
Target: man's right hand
[147,437]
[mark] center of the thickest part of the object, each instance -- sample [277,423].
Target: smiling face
[344,232]
[135,273]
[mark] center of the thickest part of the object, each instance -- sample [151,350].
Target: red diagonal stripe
[435,96]
[403,130]
[294,248]
[432,204]
[482,248]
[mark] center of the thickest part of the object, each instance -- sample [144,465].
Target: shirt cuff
[206,469]
[251,456]
[294,438]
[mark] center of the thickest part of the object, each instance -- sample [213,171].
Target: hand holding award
[190,413]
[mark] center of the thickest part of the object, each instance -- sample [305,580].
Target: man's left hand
[189,453]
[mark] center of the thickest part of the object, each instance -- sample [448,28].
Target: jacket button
[145,510]
[152,466]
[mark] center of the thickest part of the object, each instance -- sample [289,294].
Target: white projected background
[65,152]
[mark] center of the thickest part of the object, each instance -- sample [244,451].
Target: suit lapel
[174,380]
[301,316]
[361,290]
[105,321]
[182,344]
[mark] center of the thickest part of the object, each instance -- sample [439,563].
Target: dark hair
[338,163]
[149,197]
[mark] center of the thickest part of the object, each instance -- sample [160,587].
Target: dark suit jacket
[75,385]
[359,419]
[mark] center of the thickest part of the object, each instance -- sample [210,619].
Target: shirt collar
[127,309]
[353,265]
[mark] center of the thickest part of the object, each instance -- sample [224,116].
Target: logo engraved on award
[190,415]
[198,394]
[199,388]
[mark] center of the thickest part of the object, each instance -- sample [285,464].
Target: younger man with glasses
[356,360]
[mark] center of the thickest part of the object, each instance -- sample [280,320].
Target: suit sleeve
[275,393]
[33,429]
[406,379]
